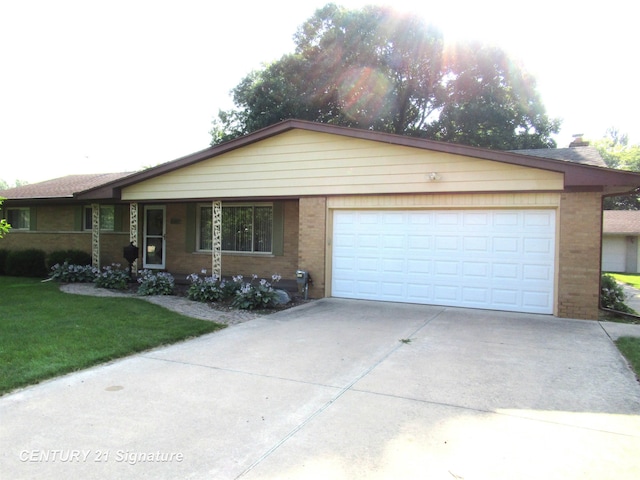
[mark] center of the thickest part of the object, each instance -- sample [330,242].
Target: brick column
[312,241]
[579,262]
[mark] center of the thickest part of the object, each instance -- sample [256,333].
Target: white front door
[154,237]
[491,259]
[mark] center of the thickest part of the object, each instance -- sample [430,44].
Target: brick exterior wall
[579,257]
[56,229]
[182,260]
[312,242]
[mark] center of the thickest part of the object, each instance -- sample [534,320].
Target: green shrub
[155,283]
[210,289]
[26,263]
[113,277]
[612,295]
[73,273]
[3,260]
[254,295]
[72,257]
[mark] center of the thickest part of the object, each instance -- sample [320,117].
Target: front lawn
[630,348]
[45,332]
[633,280]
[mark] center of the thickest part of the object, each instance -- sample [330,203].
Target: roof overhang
[576,176]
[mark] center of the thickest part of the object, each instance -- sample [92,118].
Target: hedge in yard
[3,260]
[72,257]
[26,263]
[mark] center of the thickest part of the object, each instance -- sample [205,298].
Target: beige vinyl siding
[310,163]
[472,200]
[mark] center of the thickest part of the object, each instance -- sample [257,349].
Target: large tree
[616,151]
[376,69]
[490,101]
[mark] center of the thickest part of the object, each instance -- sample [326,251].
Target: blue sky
[95,86]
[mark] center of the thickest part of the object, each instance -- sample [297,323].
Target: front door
[154,237]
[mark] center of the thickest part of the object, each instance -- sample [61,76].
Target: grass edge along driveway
[45,333]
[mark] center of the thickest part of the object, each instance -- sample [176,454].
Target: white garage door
[614,254]
[491,259]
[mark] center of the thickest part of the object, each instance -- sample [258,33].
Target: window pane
[107,217]
[263,222]
[206,226]
[237,228]
[18,218]
[88,220]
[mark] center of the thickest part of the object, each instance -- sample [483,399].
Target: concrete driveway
[340,389]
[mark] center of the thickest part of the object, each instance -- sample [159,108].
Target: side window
[107,218]
[19,218]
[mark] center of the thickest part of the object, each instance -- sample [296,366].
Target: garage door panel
[393,265]
[446,269]
[476,270]
[447,243]
[445,293]
[537,245]
[537,272]
[419,266]
[479,296]
[508,299]
[444,219]
[506,219]
[535,299]
[505,271]
[419,242]
[506,245]
[492,259]
[476,244]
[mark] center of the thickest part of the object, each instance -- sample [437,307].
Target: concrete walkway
[340,389]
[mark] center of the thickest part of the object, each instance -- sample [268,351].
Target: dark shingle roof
[621,222]
[582,155]
[63,187]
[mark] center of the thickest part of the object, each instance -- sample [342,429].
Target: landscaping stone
[283,297]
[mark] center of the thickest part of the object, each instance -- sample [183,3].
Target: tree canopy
[377,69]
[615,150]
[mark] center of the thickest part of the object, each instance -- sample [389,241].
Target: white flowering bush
[155,283]
[113,277]
[67,273]
[255,294]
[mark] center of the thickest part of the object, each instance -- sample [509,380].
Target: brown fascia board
[575,175]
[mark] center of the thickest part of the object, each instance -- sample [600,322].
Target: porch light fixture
[433,176]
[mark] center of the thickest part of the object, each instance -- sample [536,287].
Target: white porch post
[216,235]
[95,235]
[133,232]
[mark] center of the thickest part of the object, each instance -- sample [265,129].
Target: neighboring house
[620,234]
[369,215]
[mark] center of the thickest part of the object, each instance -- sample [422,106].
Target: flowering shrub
[252,295]
[73,273]
[207,289]
[155,283]
[113,277]
[210,289]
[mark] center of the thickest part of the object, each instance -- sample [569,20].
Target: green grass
[633,280]
[630,348]
[45,332]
